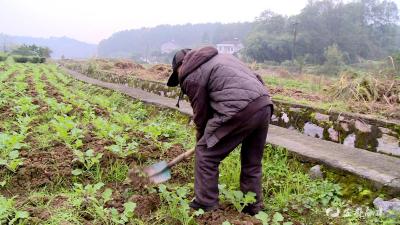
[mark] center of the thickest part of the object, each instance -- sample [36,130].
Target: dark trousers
[252,134]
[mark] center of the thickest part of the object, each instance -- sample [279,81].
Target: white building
[169,47]
[230,47]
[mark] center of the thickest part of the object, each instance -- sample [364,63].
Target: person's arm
[198,97]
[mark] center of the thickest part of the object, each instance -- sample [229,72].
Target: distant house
[169,47]
[230,47]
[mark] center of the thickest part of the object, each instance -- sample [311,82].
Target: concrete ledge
[378,168]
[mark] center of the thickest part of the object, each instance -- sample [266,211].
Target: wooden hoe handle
[181,157]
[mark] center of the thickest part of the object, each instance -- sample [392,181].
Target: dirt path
[144,96]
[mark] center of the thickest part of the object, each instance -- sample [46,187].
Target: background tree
[364,29]
[333,60]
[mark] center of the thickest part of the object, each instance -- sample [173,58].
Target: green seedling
[89,159]
[24,106]
[23,124]
[178,204]
[125,119]
[277,219]
[124,217]
[68,131]
[90,199]
[60,108]
[9,156]
[237,198]
[122,148]
[9,214]
[105,129]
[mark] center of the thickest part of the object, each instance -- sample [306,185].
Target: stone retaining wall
[345,128]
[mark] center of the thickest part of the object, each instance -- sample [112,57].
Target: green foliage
[9,154]
[34,59]
[361,29]
[125,44]
[106,129]
[263,46]
[21,59]
[290,195]
[3,57]
[275,220]
[60,108]
[122,148]
[237,198]
[92,200]
[25,59]
[24,106]
[325,192]
[32,50]
[89,159]
[68,131]
[178,205]
[9,214]
[333,60]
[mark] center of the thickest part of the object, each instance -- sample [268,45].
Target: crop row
[66,147]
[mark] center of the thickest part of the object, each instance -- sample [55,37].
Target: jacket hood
[194,59]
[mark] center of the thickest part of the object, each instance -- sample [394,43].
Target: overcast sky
[94,20]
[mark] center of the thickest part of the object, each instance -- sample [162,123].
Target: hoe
[161,171]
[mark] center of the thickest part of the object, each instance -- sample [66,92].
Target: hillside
[60,46]
[148,41]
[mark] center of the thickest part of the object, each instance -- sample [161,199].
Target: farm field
[66,148]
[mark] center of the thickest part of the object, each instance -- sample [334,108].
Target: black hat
[176,62]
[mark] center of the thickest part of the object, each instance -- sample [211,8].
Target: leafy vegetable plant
[122,148]
[9,154]
[178,204]
[88,159]
[237,198]
[9,214]
[68,131]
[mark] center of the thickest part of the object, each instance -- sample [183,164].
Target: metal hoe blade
[158,173]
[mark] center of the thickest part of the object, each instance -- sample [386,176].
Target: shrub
[334,60]
[21,59]
[25,59]
[3,57]
[34,59]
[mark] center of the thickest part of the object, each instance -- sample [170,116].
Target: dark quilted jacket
[219,86]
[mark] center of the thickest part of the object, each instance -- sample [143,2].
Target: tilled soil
[226,213]
[137,178]
[51,91]
[147,204]
[38,207]
[44,167]
[173,152]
